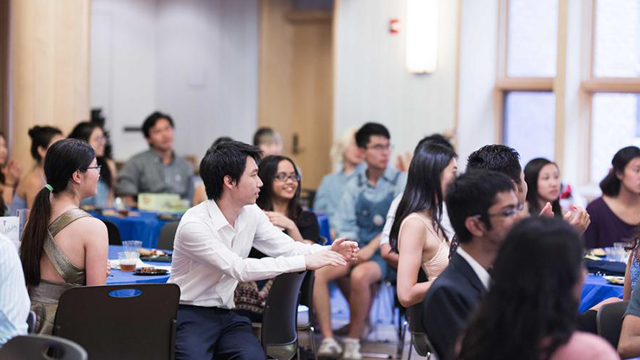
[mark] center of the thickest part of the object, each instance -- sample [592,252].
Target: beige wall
[49,67]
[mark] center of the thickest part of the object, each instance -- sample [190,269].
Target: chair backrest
[306,295]
[609,321]
[167,235]
[136,321]
[31,322]
[279,334]
[113,232]
[36,347]
[419,337]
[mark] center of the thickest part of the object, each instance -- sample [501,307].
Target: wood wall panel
[49,67]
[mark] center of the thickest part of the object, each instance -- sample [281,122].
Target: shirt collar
[219,221]
[157,157]
[482,273]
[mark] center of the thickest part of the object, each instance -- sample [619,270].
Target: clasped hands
[342,251]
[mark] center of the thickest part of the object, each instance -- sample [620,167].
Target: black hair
[364,134]
[151,121]
[423,191]
[531,175]
[500,158]
[221,139]
[610,185]
[436,139]
[64,158]
[529,311]
[263,135]
[2,178]
[83,131]
[267,170]
[471,194]
[41,136]
[227,158]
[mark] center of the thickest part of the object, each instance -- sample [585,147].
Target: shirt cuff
[297,263]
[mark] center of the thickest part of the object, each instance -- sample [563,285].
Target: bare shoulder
[90,227]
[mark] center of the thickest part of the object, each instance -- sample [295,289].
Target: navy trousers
[213,333]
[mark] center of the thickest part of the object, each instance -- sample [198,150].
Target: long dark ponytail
[63,159]
[424,187]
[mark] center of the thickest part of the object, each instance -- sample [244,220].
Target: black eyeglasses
[284,177]
[97,167]
[512,211]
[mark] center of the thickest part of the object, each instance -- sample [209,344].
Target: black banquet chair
[37,347]
[167,235]
[113,232]
[278,335]
[134,321]
[609,321]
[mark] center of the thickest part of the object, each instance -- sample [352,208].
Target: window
[545,68]
[614,83]
[526,72]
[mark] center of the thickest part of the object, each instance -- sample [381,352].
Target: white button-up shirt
[14,299]
[482,273]
[210,255]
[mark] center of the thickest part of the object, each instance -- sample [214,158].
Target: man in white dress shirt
[14,299]
[211,247]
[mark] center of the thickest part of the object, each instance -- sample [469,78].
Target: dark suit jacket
[449,303]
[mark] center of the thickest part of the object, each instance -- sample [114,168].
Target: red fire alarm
[394,26]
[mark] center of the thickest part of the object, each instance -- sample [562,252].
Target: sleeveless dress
[435,266]
[44,296]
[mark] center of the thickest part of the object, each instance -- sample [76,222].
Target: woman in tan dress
[63,246]
[417,235]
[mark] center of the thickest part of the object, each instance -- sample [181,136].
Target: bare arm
[411,244]
[389,256]
[96,250]
[626,292]
[112,187]
[629,344]
[199,194]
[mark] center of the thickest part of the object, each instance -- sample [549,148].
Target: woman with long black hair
[63,246]
[529,312]
[417,234]
[280,200]
[95,136]
[544,184]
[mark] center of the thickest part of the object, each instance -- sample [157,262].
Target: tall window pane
[617,38]
[615,125]
[529,125]
[532,38]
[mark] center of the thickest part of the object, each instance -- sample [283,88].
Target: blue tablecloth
[118,277]
[325,230]
[596,289]
[144,227]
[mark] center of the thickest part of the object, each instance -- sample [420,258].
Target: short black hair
[264,135]
[500,158]
[151,121]
[226,158]
[471,194]
[364,134]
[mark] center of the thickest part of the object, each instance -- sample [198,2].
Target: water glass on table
[132,246]
[128,260]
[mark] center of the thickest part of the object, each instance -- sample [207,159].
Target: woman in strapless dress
[417,235]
